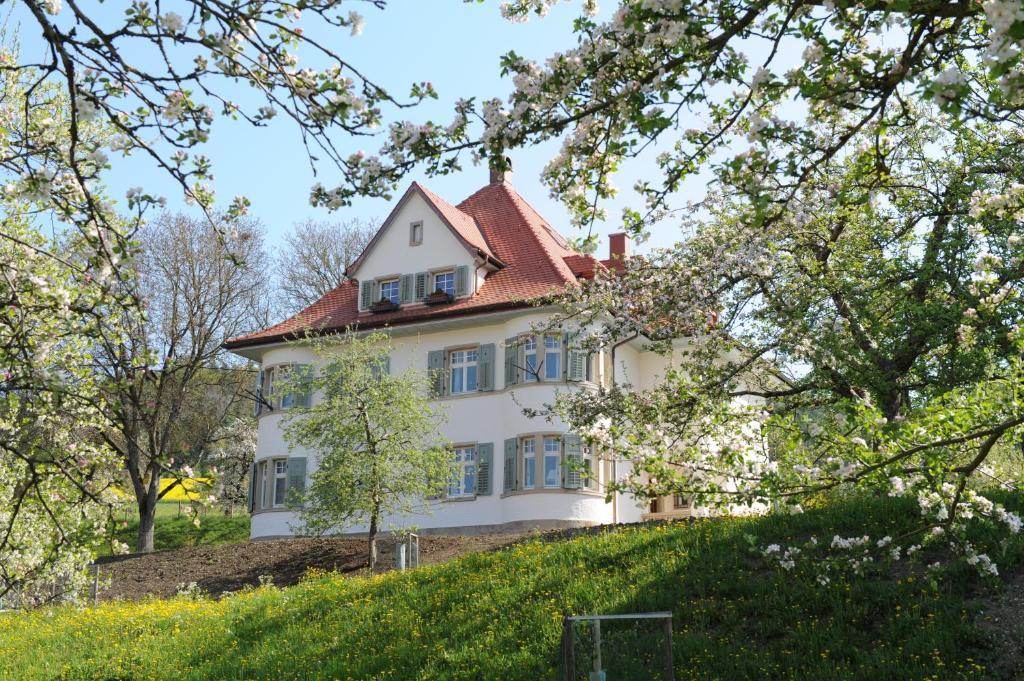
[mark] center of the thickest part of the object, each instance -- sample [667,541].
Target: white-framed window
[589,475]
[445,281]
[463,482]
[529,451]
[280,481]
[262,483]
[415,233]
[552,357]
[530,358]
[277,378]
[552,461]
[462,369]
[389,291]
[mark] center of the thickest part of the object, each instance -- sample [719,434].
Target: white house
[452,285]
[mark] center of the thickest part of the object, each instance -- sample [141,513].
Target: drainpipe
[615,460]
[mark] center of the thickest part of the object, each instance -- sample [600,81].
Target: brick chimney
[618,246]
[501,171]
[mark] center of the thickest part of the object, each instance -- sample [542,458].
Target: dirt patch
[230,567]
[1001,615]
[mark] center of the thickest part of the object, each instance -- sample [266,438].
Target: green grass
[498,615]
[176,532]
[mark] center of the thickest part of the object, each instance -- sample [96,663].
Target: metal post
[568,652]
[401,556]
[596,676]
[669,662]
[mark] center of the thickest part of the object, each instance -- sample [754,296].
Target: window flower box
[384,305]
[438,298]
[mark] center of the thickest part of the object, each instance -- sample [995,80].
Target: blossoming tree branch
[852,275]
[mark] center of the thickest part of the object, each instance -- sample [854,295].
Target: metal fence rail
[597,672]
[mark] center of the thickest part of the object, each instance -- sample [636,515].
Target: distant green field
[174,531]
[498,615]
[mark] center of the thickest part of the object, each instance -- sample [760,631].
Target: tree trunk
[372,560]
[147,524]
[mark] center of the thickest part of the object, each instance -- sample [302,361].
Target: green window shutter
[435,365]
[296,475]
[485,367]
[252,488]
[575,359]
[511,361]
[462,280]
[421,285]
[573,474]
[405,285]
[484,467]
[366,294]
[509,483]
[258,393]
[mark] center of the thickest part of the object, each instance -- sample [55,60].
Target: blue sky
[453,44]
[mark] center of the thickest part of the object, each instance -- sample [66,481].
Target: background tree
[375,435]
[231,453]
[170,384]
[314,257]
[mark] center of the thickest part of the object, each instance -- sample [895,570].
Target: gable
[390,252]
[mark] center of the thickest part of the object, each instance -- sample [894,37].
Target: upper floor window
[285,386]
[416,234]
[445,282]
[552,357]
[389,290]
[462,367]
[530,358]
[463,482]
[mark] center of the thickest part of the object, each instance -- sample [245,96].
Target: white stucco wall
[475,418]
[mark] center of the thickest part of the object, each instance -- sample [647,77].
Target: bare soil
[217,570]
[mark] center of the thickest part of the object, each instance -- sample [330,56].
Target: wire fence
[629,646]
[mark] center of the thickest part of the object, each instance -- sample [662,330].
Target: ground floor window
[529,450]
[464,478]
[271,484]
[680,501]
[552,461]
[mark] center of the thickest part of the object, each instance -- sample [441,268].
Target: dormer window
[445,282]
[415,233]
[389,290]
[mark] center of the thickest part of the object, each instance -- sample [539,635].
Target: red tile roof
[533,260]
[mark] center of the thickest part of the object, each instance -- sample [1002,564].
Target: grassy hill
[497,615]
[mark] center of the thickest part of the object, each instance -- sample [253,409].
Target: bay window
[552,461]
[529,452]
[530,358]
[552,357]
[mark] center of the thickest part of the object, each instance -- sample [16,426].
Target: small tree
[375,436]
